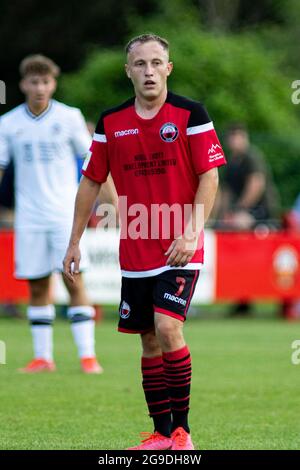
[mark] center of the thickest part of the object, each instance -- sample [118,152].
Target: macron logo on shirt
[126,132]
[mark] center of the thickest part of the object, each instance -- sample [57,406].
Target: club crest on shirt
[124,310]
[169,132]
[56,128]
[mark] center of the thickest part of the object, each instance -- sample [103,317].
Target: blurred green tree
[236,76]
[62,30]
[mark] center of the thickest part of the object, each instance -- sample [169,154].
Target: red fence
[248,266]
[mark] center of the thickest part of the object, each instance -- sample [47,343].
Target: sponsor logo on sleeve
[215,153]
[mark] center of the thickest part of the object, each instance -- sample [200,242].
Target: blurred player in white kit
[43,136]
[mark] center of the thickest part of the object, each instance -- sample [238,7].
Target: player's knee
[74,288]
[168,331]
[39,288]
[150,344]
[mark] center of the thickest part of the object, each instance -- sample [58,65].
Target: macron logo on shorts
[173,298]
[126,132]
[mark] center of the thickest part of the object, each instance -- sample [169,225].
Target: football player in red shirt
[161,150]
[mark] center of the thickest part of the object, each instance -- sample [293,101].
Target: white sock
[83,331]
[42,341]
[42,334]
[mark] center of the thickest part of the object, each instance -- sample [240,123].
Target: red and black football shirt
[153,162]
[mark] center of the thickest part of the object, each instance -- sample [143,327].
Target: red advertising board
[11,290]
[248,266]
[258,266]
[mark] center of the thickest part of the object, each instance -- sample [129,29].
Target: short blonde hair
[147,38]
[38,64]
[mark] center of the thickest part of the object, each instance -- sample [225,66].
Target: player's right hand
[71,262]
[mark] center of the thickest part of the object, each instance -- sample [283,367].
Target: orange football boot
[155,441]
[90,365]
[181,440]
[39,365]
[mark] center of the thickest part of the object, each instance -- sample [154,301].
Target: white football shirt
[44,150]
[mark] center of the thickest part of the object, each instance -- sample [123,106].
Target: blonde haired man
[159,148]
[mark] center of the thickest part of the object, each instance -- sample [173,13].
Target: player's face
[148,68]
[38,89]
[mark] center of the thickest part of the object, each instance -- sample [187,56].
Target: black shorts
[169,293]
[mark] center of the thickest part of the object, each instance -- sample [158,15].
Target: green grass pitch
[245,390]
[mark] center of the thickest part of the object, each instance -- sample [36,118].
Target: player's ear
[127,70]
[170,68]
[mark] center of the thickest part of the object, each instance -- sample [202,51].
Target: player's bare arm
[253,191]
[181,250]
[86,196]
[108,192]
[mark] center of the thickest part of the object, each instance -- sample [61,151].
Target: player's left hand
[71,262]
[181,251]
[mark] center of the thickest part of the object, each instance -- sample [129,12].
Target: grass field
[245,391]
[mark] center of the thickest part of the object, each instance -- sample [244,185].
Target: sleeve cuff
[93,178]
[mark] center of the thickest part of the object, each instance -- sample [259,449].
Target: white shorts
[40,253]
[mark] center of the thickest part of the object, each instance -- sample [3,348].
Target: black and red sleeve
[205,147]
[96,165]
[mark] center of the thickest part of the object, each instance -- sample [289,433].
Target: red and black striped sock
[178,374]
[156,394]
